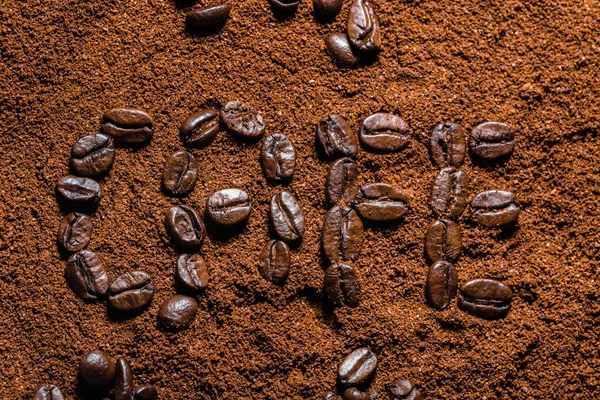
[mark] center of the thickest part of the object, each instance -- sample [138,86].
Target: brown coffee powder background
[532,64]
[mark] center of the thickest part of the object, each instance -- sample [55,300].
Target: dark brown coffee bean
[339,47]
[242,120]
[443,241]
[403,389]
[441,285]
[275,261]
[185,227]
[380,202]
[229,207]
[202,18]
[76,191]
[342,234]
[495,208]
[48,392]
[342,181]
[491,141]
[128,126]
[200,128]
[86,275]
[384,133]
[341,286]
[192,272]
[485,298]
[363,27]
[331,396]
[358,367]
[177,312]
[93,155]
[75,232]
[123,380]
[336,138]
[145,392]
[284,7]
[131,291]
[355,394]
[448,145]
[97,369]
[449,193]
[286,217]
[278,158]
[327,9]
[179,174]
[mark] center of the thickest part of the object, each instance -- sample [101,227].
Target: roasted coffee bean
[336,138]
[48,392]
[341,286]
[97,369]
[339,47]
[449,193]
[357,368]
[185,227]
[200,128]
[355,394]
[93,155]
[278,158]
[485,298]
[495,208]
[327,9]
[342,181]
[448,145]
[128,126]
[284,7]
[180,174]
[342,234]
[177,312]
[443,241]
[123,380]
[86,275]
[145,392]
[77,191]
[403,389]
[228,206]
[286,217]
[363,27]
[202,18]
[491,141]
[192,272]
[75,232]
[384,133]
[331,396]
[441,285]
[242,120]
[380,202]
[275,261]
[131,291]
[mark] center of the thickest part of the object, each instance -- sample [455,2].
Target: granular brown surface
[532,64]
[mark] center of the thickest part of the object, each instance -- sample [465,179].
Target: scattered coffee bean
[491,141]
[278,158]
[75,232]
[380,202]
[327,9]
[242,120]
[93,155]
[355,394]
[331,396]
[495,208]
[449,193]
[185,227]
[97,369]
[441,285]
[206,18]
[485,298]
[192,272]
[403,389]
[177,312]
[131,291]
[86,275]
[48,392]
[284,7]
[448,145]
[341,286]
[336,138]
[357,368]
[286,217]
[443,241]
[200,128]
[145,392]
[384,133]
[128,126]
[123,380]
[275,261]
[180,174]
[363,27]
[228,207]
[76,191]
[342,181]
[339,47]
[342,234]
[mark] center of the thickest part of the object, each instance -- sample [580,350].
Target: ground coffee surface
[532,64]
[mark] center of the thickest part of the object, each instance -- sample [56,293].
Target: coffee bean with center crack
[123,380]
[75,232]
[342,181]
[131,291]
[93,155]
[207,18]
[449,193]
[97,369]
[229,207]
[286,217]
[48,392]
[327,9]
[177,312]
[341,285]
[403,389]
[380,202]
[357,368]
[128,126]
[355,394]
[86,275]
[448,145]
[145,392]
[495,208]
[363,27]
[342,234]
[192,272]
[335,137]
[441,284]
[180,174]
[200,128]
[275,261]
[339,47]
[278,158]
[384,133]
[443,241]
[485,298]
[242,120]
[76,191]
[185,227]
[491,141]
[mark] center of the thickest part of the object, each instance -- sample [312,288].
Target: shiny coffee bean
[123,380]
[128,126]
[355,394]
[177,312]
[180,174]
[342,235]
[86,275]
[278,158]
[242,120]
[274,263]
[330,396]
[97,369]
[357,368]
[448,145]
[192,272]
[228,207]
[342,181]
[48,392]
[384,133]
[485,298]
[327,9]
[403,389]
[92,155]
[495,208]
[363,27]
[74,232]
[200,128]
[131,291]
[443,241]
[341,286]
[284,7]
[286,217]
[380,202]
[76,191]
[185,227]
[491,141]
[441,284]
[449,193]
[205,18]
[335,137]
[339,47]
[145,392]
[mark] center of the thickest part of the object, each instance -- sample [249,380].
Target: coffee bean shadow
[119,315]
[490,164]
[183,4]
[324,19]
[223,233]
[367,60]
[180,288]
[282,15]
[203,32]
[292,245]
[69,207]
[85,391]
[383,226]
[501,233]
[133,147]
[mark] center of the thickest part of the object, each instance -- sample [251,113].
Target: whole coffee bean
[485,298]
[358,367]
[123,380]
[363,27]
[131,291]
[443,241]
[342,181]
[448,145]
[341,286]
[200,128]
[86,275]
[384,133]
[403,389]
[48,392]
[355,394]
[128,126]
[204,18]
[342,234]
[192,272]
[380,202]
[185,227]
[93,155]
[242,120]
[74,232]
[336,138]
[76,191]
[286,217]
[441,285]
[228,206]
[177,312]
[284,7]
[275,261]
[327,9]
[180,174]
[97,369]
[278,158]
[338,45]
[449,193]
[491,141]
[495,208]
[145,392]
